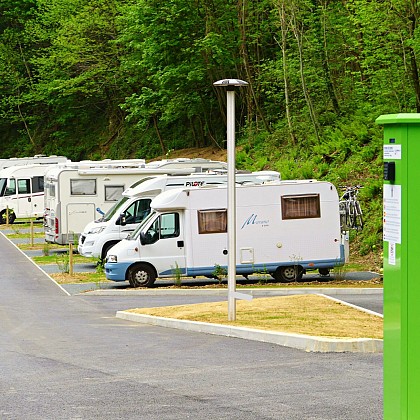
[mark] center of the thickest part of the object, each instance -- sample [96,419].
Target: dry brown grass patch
[301,314]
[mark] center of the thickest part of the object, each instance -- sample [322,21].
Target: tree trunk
[321,31]
[283,46]
[297,29]
[247,66]
[159,135]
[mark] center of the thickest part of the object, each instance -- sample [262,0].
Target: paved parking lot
[67,356]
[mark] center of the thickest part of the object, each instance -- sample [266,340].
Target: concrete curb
[297,341]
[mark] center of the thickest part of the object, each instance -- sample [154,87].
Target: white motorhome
[22,191]
[75,193]
[121,219]
[283,228]
[37,159]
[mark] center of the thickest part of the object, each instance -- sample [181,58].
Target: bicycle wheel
[359,217]
[351,214]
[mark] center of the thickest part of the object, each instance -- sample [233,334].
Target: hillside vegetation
[134,78]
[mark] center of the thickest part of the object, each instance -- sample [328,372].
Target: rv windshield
[108,215]
[3,182]
[135,234]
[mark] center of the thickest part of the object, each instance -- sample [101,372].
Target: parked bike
[351,216]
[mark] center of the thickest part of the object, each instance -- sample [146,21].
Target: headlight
[111,258]
[97,230]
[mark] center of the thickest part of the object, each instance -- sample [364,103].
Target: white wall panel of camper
[284,228]
[22,191]
[74,194]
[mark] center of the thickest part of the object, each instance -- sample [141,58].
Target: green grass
[76,278]
[26,235]
[52,259]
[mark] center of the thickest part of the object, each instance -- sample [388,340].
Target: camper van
[284,228]
[75,194]
[102,234]
[37,159]
[22,191]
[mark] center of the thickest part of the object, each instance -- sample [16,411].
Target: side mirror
[144,238]
[122,220]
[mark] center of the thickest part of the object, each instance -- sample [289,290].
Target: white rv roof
[41,159]
[187,162]
[183,181]
[106,166]
[32,169]
[178,197]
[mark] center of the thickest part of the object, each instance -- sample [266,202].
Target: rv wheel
[141,276]
[12,217]
[324,272]
[288,274]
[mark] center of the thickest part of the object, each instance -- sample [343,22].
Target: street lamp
[231,84]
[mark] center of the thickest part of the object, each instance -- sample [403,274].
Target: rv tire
[141,275]
[288,274]
[12,217]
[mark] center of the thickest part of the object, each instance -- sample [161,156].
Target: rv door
[24,197]
[163,244]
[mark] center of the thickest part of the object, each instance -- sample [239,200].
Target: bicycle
[351,216]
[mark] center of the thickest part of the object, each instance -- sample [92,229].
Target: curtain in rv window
[83,186]
[113,192]
[212,221]
[300,206]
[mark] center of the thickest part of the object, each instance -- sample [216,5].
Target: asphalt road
[68,357]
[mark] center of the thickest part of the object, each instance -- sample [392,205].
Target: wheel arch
[106,247]
[140,264]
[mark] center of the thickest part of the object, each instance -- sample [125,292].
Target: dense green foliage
[134,78]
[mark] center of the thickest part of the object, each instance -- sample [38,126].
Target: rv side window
[50,189]
[166,226]
[212,221]
[113,192]
[37,184]
[83,186]
[138,211]
[3,182]
[169,225]
[300,206]
[24,186]
[11,189]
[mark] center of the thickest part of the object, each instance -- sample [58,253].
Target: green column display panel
[401,222]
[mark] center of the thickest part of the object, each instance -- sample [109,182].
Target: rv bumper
[86,250]
[116,271]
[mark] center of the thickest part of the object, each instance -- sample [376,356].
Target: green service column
[401,223]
